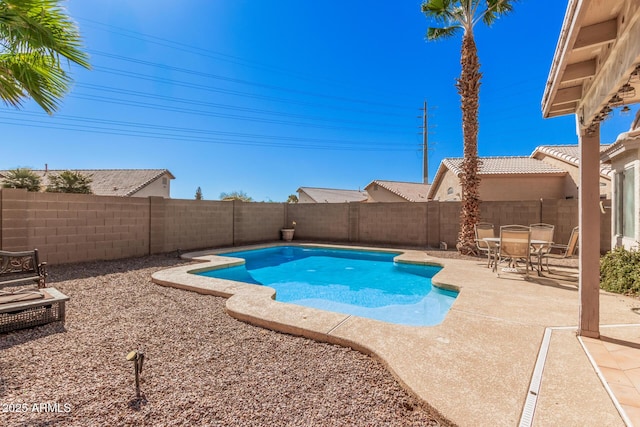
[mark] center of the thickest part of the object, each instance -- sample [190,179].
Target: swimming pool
[363,283]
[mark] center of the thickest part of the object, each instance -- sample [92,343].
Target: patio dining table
[540,243]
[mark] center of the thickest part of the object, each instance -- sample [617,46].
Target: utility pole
[425,145]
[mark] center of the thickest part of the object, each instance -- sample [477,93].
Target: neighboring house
[329,195]
[624,156]
[567,157]
[120,182]
[502,178]
[397,191]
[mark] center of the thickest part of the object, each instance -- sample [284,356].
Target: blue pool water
[362,283]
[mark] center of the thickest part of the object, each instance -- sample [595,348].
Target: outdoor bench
[25,301]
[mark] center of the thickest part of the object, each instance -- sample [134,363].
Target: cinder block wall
[189,224]
[319,221]
[75,227]
[257,222]
[393,223]
[449,219]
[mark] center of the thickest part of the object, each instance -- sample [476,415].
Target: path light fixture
[137,357]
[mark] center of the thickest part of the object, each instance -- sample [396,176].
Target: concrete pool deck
[476,367]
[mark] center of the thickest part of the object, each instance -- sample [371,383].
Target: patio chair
[515,245]
[485,230]
[565,251]
[544,233]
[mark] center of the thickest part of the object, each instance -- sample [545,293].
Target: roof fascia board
[568,34]
[597,34]
[579,71]
[442,168]
[617,67]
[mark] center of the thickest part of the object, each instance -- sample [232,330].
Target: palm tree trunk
[469,87]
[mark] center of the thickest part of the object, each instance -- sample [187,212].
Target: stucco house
[551,172]
[502,178]
[397,191]
[567,157]
[624,157]
[330,195]
[119,182]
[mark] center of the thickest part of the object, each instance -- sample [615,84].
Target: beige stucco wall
[448,181]
[161,187]
[504,187]
[521,187]
[573,177]
[380,194]
[304,198]
[629,159]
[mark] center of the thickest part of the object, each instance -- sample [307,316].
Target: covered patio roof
[595,68]
[598,53]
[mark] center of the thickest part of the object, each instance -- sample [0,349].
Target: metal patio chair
[485,230]
[558,251]
[514,246]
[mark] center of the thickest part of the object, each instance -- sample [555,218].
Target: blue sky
[265,97]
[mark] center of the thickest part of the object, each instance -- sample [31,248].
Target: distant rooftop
[333,195]
[410,191]
[110,182]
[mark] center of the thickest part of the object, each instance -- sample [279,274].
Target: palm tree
[451,16]
[22,178]
[35,36]
[70,182]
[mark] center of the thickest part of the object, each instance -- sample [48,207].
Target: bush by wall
[620,271]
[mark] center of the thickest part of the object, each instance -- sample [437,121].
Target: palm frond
[437,33]
[35,35]
[496,9]
[29,25]
[35,75]
[438,10]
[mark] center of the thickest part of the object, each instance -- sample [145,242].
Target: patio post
[589,221]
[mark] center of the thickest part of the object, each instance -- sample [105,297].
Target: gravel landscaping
[201,366]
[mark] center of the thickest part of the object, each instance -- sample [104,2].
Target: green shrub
[70,182]
[22,178]
[620,271]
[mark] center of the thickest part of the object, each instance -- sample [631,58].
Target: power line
[245,82]
[184,134]
[208,53]
[218,105]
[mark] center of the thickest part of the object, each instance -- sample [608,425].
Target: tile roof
[511,165]
[571,154]
[624,141]
[333,195]
[112,182]
[410,191]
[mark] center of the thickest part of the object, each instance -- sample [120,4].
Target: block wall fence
[68,228]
